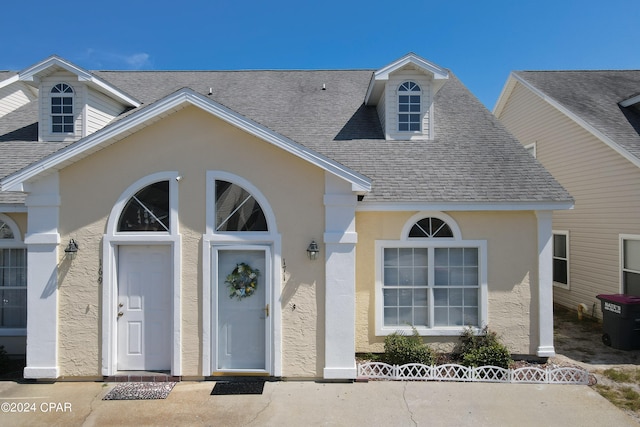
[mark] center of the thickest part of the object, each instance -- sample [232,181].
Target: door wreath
[243,281]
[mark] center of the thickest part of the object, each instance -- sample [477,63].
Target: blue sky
[481,42]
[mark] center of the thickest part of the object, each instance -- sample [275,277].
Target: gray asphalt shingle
[472,158]
[594,96]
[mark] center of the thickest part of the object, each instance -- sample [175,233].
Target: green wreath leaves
[243,281]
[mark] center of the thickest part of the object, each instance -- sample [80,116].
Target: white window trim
[239,239]
[15,243]
[112,240]
[559,284]
[72,95]
[420,113]
[621,239]
[456,242]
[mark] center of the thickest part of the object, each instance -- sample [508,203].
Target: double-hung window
[13,280]
[62,108]
[630,257]
[409,107]
[431,280]
[561,258]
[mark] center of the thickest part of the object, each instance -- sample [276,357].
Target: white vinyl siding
[101,110]
[390,99]
[13,97]
[603,183]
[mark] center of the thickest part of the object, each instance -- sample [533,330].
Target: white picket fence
[454,372]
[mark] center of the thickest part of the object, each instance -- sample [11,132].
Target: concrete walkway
[315,404]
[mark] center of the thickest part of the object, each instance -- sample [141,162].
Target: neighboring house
[367,201]
[584,127]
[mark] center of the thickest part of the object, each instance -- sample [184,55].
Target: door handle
[120,314]
[266,310]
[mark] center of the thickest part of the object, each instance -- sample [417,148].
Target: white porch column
[545,284]
[42,241]
[340,270]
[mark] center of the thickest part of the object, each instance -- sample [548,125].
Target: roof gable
[595,100]
[146,116]
[412,60]
[55,63]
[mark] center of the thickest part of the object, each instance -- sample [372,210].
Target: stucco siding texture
[511,274]
[605,187]
[194,144]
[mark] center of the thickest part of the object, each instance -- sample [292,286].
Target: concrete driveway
[291,403]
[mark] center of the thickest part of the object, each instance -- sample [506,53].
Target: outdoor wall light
[71,250]
[312,250]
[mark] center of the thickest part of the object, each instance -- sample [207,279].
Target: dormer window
[62,108]
[409,94]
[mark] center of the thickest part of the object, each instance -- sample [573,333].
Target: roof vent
[324,86]
[210,90]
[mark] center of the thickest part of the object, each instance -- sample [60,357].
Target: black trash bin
[621,321]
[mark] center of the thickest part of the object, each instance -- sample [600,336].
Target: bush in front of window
[482,350]
[401,349]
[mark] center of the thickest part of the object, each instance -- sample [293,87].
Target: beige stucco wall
[191,142]
[512,265]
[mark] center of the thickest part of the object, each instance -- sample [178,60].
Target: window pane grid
[408,297]
[13,288]
[631,267]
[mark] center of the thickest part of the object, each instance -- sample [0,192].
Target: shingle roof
[472,158]
[594,96]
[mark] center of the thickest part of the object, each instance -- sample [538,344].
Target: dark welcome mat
[140,391]
[237,387]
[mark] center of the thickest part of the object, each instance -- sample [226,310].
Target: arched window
[13,278]
[236,209]
[409,107]
[147,210]
[430,227]
[62,108]
[431,279]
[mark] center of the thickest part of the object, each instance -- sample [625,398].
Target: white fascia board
[504,95]
[32,73]
[630,101]
[382,74]
[9,81]
[579,121]
[462,207]
[173,102]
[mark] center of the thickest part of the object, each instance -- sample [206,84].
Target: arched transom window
[236,209]
[431,279]
[147,210]
[62,108]
[429,228]
[409,107]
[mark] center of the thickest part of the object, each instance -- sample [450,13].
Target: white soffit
[155,112]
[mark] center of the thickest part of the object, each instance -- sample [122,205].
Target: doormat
[237,387]
[140,391]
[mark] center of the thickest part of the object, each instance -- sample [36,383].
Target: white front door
[144,308]
[241,323]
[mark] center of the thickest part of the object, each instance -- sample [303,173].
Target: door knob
[120,314]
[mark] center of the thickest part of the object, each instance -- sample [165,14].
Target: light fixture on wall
[72,249]
[313,250]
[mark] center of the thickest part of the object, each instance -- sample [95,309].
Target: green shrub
[482,350]
[401,349]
